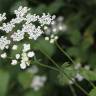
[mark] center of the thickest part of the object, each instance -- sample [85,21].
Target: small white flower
[6,47]
[14,47]
[60,19]
[38,82]
[31,54]
[23,65]
[77,66]
[45,27]
[4,55]
[17,20]
[26,47]
[17,56]
[7,27]
[87,67]
[24,57]
[21,11]
[79,77]
[31,18]
[56,37]
[46,38]
[46,19]
[14,62]
[17,36]
[34,69]
[4,42]
[52,41]
[2,17]
[52,36]
[72,81]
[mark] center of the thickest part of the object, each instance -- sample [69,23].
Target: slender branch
[65,53]
[72,90]
[83,90]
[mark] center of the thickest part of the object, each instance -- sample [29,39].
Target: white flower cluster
[33,70]
[51,39]
[23,57]
[51,32]
[46,19]
[27,27]
[38,82]
[57,26]
[4,42]
[31,29]
[2,17]
[21,11]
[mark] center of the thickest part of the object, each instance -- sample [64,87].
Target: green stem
[65,53]
[64,73]
[55,69]
[46,66]
[72,90]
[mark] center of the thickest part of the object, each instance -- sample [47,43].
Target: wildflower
[17,56]
[7,27]
[46,38]
[87,67]
[31,54]
[56,26]
[4,42]
[14,62]
[21,11]
[38,82]
[72,81]
[52,41]
[34,69]
[17,36]
[25,57]
[27,27]
[46,19]
[2,17]
[4,55]
[32,31]
[14,47]
[23,65]
[77,66]
[31,18]
[52,38]
[26,47]
[17,20]
[79,77]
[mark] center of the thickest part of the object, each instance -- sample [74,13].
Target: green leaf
[92,60]
[4,80]
[92,92]
[25,79]
[45,46]
[73,51]
[88,74]
[55,6]
[86,43]
[75,37]
[33,93]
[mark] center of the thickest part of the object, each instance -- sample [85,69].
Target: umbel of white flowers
[23,57]
[29,26]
